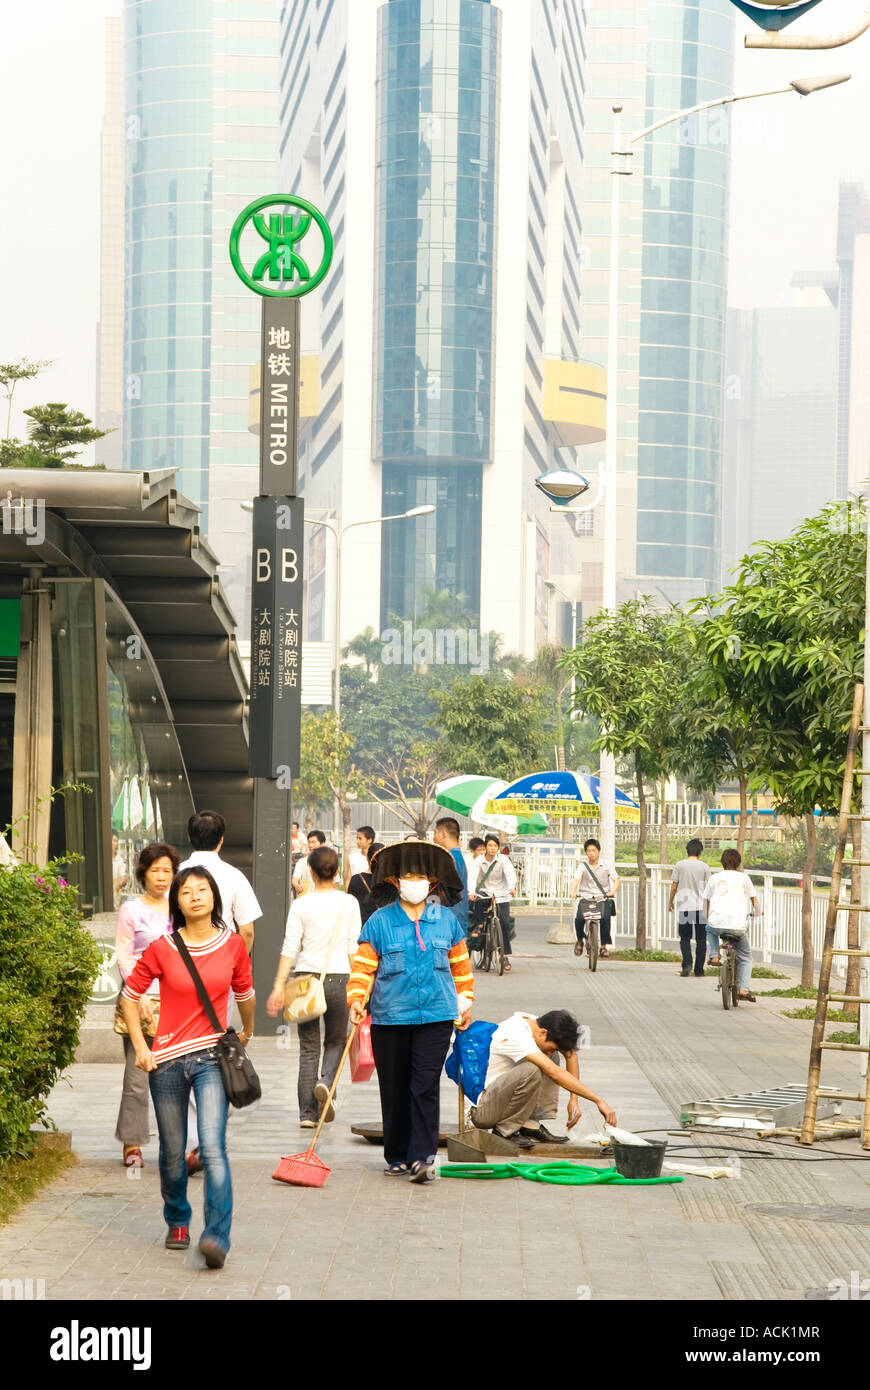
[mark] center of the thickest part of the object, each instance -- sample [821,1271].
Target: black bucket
[639,1160]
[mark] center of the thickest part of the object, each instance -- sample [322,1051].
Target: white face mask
[413,890]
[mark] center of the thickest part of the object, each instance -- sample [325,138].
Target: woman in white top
[322,933]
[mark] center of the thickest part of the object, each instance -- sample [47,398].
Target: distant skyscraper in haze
[657,57]
[443,139]
[108,413]
[780,417]
[201,122]
[853,388]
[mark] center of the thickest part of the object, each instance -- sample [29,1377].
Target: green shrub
[796,992]
[844,1037]
[643,955]
[49,962]
[809,1013]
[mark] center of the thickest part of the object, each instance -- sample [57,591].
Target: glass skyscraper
[445,339]
[683,290]
[438,136]
[201,121]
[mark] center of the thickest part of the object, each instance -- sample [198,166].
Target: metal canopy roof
[139,534]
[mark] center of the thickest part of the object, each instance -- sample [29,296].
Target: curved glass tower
[437,134]
[168,224]
[690,60]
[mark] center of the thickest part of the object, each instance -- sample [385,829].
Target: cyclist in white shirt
[730,896]
[205,832]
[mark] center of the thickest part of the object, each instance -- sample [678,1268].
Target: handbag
[305,997]
[362,1058]
[241,1082]
[119,1023]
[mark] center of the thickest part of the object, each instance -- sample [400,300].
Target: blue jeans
[171,1085]
[743,952]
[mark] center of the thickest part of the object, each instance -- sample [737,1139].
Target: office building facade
[658,58]
[201,112]
[780,418]
[446,336]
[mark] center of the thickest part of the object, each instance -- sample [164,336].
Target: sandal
[397,1170]
[747,995]
[133,1156]
[603,953]
[714,960]
[507,966]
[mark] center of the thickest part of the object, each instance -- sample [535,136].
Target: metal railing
[545,876]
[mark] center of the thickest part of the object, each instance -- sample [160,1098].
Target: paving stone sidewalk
[657,1040]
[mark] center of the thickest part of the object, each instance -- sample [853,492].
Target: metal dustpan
[475,1145]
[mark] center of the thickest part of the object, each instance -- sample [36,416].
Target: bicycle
[592,920]
[486,947]
[728,972]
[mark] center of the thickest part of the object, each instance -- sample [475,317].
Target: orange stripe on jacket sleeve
[460,966]
[365,964]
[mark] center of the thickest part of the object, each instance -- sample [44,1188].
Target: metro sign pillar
[280,274]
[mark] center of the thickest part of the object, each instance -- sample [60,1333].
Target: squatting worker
[184,1059]
[413,953]
[522,1078]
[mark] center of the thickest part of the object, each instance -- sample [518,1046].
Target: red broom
[307,1170]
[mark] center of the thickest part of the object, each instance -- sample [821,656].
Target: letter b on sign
[264,566]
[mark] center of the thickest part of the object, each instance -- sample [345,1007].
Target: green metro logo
[281,271]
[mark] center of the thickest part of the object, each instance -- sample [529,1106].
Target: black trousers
[693,924]
[604,926]
[311,1068]
[409,1059]
[477,912]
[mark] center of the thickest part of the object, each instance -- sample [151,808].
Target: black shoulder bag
[241,1082]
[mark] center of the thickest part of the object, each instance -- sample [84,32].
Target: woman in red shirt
[183,1056]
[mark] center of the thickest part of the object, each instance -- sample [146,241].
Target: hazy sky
[789,154]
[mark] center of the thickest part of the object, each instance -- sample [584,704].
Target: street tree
[328,748]
[10,375]
[626,673]
[796,613]
[492,726]
[409,778]
[311,787]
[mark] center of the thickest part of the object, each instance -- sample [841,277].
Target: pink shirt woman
[140,922]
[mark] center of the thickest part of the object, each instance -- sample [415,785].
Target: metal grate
[779,1107]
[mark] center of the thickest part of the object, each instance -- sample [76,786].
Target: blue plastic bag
[469,1060]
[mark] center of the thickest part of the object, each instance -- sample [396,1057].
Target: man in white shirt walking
[206,831]
[523,1080]
[689,878]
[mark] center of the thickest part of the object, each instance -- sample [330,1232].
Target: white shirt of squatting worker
[238,900]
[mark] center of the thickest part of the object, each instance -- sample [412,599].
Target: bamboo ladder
[829,950]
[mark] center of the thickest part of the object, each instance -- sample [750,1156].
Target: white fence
[545,876]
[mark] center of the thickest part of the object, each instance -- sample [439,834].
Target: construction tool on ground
[472,1145]
[829,950]
[306,1169]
